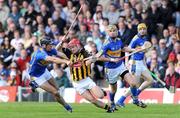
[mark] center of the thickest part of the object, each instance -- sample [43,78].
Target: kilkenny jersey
[137,41]
[113,49]
[78,70]
[38,64]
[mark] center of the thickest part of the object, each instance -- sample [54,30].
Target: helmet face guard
[46,41]
[141,26]
[112,31]
[142,29]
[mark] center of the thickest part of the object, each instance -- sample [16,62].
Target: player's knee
[151,81]
[101,96]
[92,101]
[55,93]
[133,83]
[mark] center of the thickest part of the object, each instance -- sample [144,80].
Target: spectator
[124,33]
[14,77]
[21,25]
[30,15]
[24,7]
[176,16]
[2,35]
[113,14]
[3,81]
[15,14]
[4,12]
[22,61]
[154,42]
[99,18]
[17,52]
[16,40]
[25,76]
[27,36]
[157,68]
[172,78]
[83,33]
[61,23]
[166,13]
[7,52]
[44,12]
[177,64]
[69,9]
[48,26]
[96,39]
[88,19]
[163,51]
[166,36]
[176,50]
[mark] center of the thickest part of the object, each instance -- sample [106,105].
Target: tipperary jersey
[137,41]
[112,49]
[38,64]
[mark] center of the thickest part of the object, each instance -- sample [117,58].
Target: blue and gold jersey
[38,64]
[112,49]
[137,41]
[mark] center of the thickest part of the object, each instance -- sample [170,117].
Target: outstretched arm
[57,60]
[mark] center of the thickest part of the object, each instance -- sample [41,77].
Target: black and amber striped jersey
[78,69]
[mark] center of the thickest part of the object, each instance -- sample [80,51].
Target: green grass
[52,110]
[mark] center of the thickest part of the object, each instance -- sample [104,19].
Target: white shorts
[43,78]
[137,68]
[113,74]
[83,85]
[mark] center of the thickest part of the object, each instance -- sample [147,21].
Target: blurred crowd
[24,22]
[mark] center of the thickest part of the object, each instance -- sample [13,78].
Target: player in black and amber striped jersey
[80,71]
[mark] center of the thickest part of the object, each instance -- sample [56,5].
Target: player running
[112,52]
[39,73]
[138,66]
[80,71]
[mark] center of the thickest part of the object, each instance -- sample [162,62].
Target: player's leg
[132,82]
[54,91]
[53,83]
[133,89]
[135,73]
[112,77]
[148,80]
[97,91]
[88,96]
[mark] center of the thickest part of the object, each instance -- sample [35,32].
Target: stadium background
[24,22]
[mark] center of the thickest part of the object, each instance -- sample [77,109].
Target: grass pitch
[53,110]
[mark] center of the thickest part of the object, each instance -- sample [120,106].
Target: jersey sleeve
[54,51]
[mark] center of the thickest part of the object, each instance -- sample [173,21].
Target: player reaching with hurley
[111,51]
[41,77]
[138,67]
[80,71]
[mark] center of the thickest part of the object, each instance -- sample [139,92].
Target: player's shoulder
[136,37]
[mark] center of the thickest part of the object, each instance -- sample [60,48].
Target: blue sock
[111,96]
[122,99]
[134,94]
[133,91]
[138,91]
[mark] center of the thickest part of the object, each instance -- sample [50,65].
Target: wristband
[112,59]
